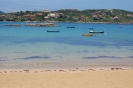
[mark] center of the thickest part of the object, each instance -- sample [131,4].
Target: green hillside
[101,15]
[72,15]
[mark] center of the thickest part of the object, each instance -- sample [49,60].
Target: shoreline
[64,67]
[70,22]
[68,70]
[66,64]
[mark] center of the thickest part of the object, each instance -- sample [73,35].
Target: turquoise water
[35,45]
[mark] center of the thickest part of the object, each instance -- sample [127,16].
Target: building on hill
[46,11]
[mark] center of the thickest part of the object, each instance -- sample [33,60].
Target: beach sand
[67,78]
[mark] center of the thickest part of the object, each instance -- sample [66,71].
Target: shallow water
[24,45]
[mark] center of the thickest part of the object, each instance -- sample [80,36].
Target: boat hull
[70,27]
[87,34]
[53,30]
[97,32]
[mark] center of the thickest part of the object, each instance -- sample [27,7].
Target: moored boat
[71,27]
[96,31]
[53,30]
[87,34]
[92,30]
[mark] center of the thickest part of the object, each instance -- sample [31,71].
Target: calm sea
[35,46]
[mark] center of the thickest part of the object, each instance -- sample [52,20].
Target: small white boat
[91,31]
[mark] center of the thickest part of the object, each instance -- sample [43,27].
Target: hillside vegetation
[72,15]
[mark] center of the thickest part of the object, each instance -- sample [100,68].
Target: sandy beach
[67,78]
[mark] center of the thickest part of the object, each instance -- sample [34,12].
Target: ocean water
[34,46]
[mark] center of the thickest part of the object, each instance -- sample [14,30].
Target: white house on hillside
[51,15]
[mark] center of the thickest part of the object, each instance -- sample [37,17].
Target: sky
[52,5]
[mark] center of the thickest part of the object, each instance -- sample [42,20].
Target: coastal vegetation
[71,15]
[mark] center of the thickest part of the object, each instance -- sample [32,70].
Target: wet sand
[67,78]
